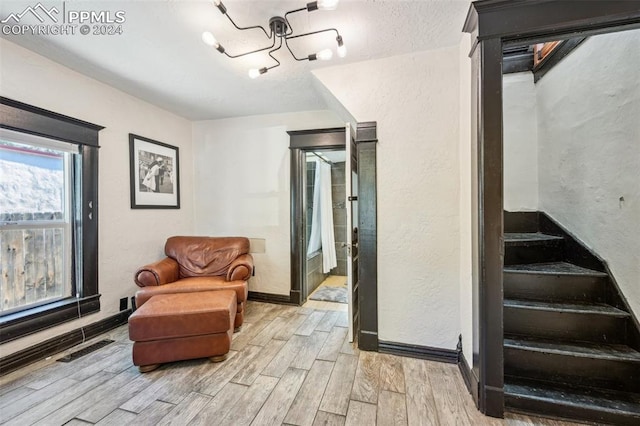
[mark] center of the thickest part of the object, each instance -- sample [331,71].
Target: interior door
[351,203]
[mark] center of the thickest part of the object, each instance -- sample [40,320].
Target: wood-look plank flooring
[287,366]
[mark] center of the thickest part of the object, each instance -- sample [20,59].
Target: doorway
[320,220]
[324,193]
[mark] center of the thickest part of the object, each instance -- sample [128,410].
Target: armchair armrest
[241,268]
[162,272]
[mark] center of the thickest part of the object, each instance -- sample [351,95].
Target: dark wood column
[490,219]
[366,140]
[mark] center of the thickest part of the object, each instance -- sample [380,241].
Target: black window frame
[24,118]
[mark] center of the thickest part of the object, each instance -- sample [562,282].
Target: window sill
[19,324]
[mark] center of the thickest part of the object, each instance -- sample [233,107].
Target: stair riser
[608,374]
[521,222]
[537,253]
[553,288]
[564,325]
[552,409]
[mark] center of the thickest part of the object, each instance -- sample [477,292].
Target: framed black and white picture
[155,174]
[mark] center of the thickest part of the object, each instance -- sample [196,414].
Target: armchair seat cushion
[194,284]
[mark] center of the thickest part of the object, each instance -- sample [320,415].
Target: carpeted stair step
[573,402]
[589,322]
[554,282]
[615,367]
[532,247]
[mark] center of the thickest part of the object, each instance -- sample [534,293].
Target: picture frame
[154,169]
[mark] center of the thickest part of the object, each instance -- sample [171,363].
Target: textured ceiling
[160,56]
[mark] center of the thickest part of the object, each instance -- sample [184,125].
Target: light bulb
[327,4]
[255,72]
[209,39]
[221,7]
[342,49]
[324,55]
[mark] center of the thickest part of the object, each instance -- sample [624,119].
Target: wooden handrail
[542,50]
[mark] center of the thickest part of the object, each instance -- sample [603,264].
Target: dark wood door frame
[494,24]
[365,137]
[366,141]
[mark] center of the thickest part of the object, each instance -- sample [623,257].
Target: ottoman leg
[218,358]
[147,368]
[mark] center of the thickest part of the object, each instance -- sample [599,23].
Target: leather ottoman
[180,326]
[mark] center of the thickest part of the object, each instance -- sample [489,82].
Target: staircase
[571,348]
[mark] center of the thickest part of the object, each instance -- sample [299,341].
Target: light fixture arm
[293,54]
[313,32]
[222,8]
[248,28]
[273,57]
[253,51]
[313,56]
[287,19]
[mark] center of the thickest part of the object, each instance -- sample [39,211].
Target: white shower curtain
[322,218]
[315,240]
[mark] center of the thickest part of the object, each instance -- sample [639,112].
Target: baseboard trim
[368,341]
[280,299]
[449,356]
[295,297]
[469,377]
[60,343]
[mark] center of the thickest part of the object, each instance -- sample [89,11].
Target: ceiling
[160,58]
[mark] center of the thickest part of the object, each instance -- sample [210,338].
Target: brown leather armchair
[199,264]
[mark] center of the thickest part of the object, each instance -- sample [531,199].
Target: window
[48,219]
[36,198]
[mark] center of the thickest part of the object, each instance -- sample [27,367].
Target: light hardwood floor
[288,365]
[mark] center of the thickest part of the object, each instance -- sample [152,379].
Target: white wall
[127,238]
[520,133]
[415,100]
[588,111]
[242,179]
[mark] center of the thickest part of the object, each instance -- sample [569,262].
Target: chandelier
[280,32]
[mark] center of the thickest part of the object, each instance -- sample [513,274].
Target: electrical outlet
[123,304]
